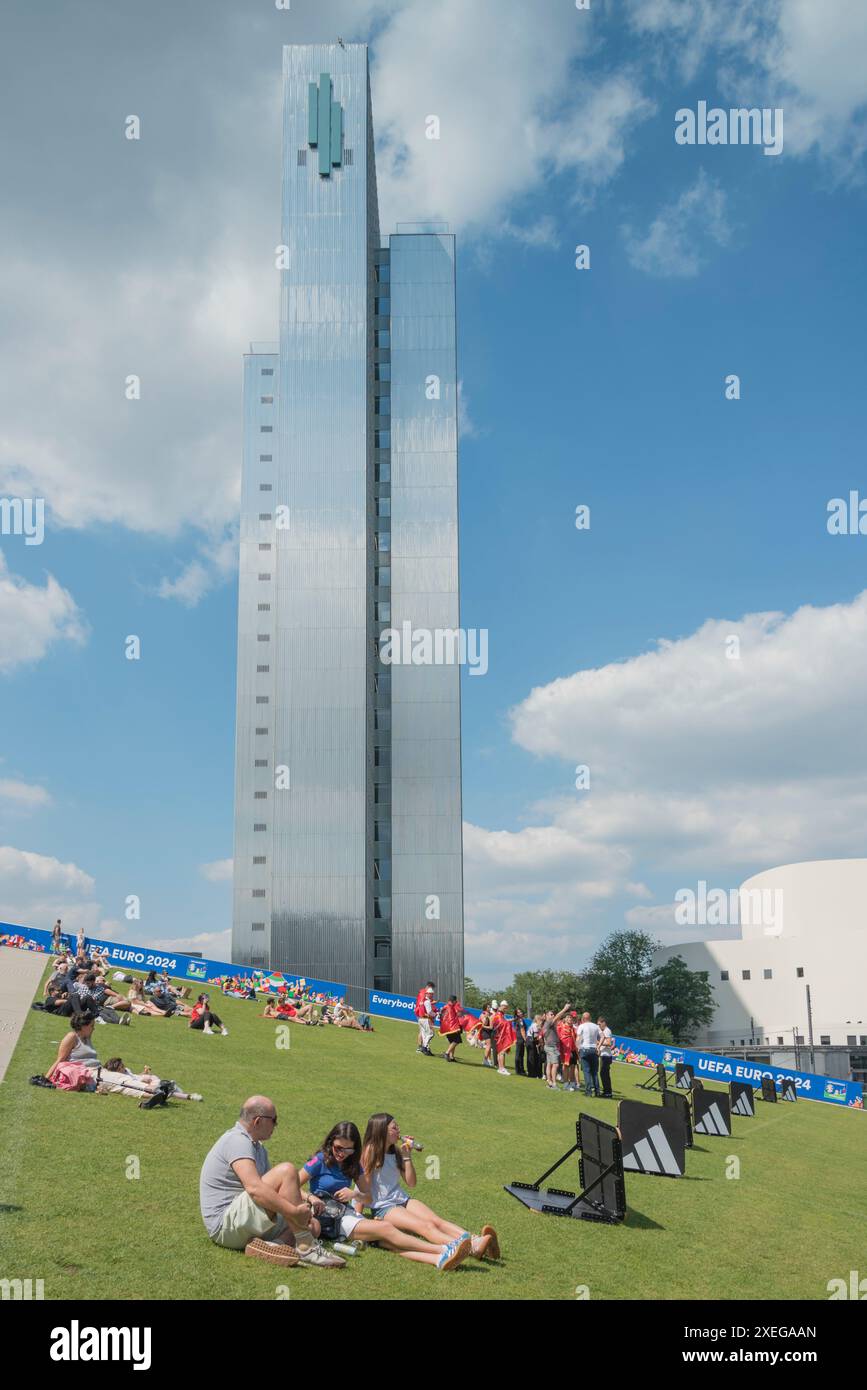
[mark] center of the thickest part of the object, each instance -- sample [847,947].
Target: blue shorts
[383,1212]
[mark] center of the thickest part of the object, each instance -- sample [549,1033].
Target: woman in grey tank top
[77,1045]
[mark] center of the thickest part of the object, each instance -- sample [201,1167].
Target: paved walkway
[20,973]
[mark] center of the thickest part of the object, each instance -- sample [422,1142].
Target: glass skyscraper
[348,857]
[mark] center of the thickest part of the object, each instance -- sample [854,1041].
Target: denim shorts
[383,1212]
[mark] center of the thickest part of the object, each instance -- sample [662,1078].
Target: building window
[780,1041]
[262,670]
[260,762]
[382,439]
[258,892]
[266,516]
[263,608]
[266,429]
[383,506]
[260,796]
[383,338]
[767,974]
[745,975]
[800,972]
[863,1039]
[266,458]
[383,473]
[383,576]
[263,637]
[850,1040]
[262,700]
[302,158]
[743,1044]
[381,757]
[267,371]
[261,731]
[265,487]
[260,825]
[383,271]
[264,576]
[723,974]
[264,545]
[824,1040]
[383,612]
[257,926]
[382,540]
[382,948]
[266,400]
[259,859]
[382,982]
[799,1037]
[347,161]
[382,868]
[382,719]
[381,908]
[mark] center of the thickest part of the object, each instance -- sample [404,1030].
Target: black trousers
[207,1018]
[605,1075]
[520,1048]
[534,1059]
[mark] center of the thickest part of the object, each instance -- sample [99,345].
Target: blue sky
[603,387]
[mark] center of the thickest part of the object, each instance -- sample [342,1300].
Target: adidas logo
[653,1154]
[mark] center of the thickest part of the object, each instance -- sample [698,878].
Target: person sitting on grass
[203,1019]
[386,1162]
[139,1002]
[332,1175]
[167,1003]
[344,1016]
[248,1205]
[77,1046]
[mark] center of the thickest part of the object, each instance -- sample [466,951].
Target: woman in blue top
[332,1173]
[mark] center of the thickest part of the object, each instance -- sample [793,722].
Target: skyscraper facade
[348,858]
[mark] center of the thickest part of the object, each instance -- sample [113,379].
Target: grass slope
[69,1214]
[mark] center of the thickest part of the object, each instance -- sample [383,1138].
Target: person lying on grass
[248,1205]
[116,1079]
[386,1162]
[332,1174]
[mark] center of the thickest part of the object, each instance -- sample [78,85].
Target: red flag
[420,1010]
[504,1033]
[452,1020]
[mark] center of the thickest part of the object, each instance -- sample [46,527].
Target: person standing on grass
[451,1026]
[605,1048]
[503,1036]
[386,1162]
[566,1034]
[80,942]
[56,938]
[424,1011]
[588,1037]
[551,1042]
[520,1026]
[248,1205]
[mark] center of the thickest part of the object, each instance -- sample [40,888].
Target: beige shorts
[244,1221]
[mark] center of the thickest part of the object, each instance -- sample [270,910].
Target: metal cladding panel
[253,687]
[426,858]
[319,656]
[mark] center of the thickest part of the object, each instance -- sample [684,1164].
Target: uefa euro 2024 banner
[632,1050]
[712,1067]
[176,964]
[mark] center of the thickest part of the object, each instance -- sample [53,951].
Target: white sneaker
[194,1095]
[225,1032]
[208,1031]
[503,1072]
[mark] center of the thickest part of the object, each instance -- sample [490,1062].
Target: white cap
[504,1003]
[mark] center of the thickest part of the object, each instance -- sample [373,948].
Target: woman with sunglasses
[332,1174]
[386,1162]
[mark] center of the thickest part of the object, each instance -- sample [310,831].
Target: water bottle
[345,1248]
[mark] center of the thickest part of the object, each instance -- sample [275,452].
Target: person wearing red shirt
[503,1036]
[566,1035]
[203,1019]
[451,1025]
[424,1011]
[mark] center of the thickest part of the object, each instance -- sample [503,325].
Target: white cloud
[216,560]
[808,58]
[701,767]
[218,871]
[212,945]
[36,889]
[514,102]
[33,618]
[23,795]
[677,241]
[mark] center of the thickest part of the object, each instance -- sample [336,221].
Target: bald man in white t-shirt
[588,1036]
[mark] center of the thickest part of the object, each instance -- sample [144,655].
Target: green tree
[618,983]
[476,998]
[683,998]
[549,989]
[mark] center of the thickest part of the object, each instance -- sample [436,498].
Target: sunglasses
[340,1149]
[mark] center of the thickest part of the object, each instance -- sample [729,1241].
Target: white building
[798,925]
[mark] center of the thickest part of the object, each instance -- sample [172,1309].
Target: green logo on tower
[325,125]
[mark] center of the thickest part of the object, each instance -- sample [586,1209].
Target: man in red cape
[504,1036]
[452,1021]
[424,1011]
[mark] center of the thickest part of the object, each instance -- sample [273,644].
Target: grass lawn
[69,1214]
